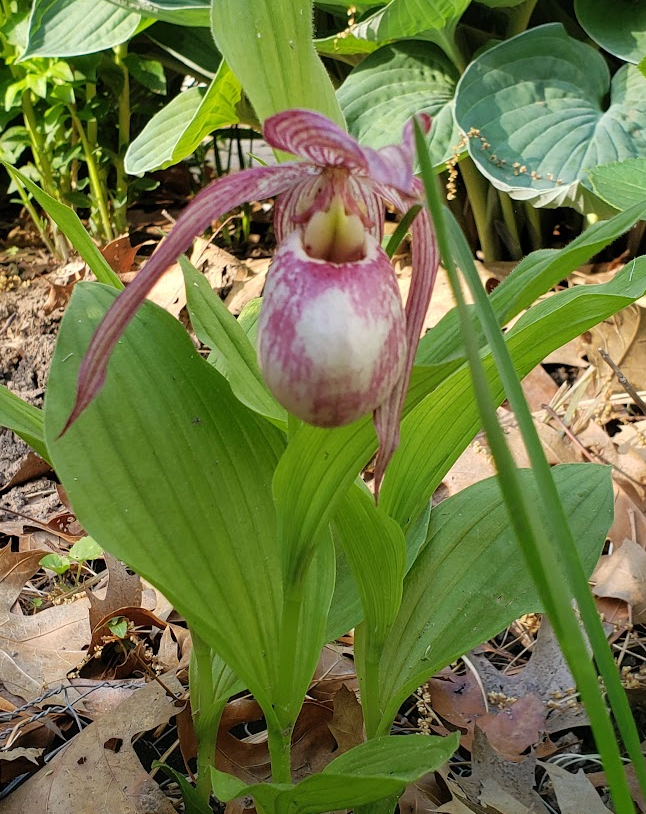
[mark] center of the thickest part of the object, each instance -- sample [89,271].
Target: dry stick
[624,381]
[591,456]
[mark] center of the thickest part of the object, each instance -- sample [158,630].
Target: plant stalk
[476,186]
[38,223]
[95,179]
[121,199]
[519,18]
[206,714]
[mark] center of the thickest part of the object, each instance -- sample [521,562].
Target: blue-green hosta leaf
[539,102]
[378,768]
[470,581]
[67,28]
[178,12]
[395,83]
[170,473]
[621,29]
[622,184]
[177,129]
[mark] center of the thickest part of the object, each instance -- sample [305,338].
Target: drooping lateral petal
[208,205]
[392,166]
[426,260]
[314,137]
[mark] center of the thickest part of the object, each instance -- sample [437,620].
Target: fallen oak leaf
[574,792]
[347,721]
[98,772]
[622,575]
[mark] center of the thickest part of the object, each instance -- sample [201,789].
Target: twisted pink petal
[209,205]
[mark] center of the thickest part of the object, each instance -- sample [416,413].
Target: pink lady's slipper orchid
[334,341]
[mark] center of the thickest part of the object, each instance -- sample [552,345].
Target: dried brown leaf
[347,720]
[622,575]
[335,668]
[98,772]
[124,591]
[574,792]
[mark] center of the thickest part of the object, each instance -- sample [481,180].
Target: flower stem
[206,714]
[476,187]
[38,223]
[121,201]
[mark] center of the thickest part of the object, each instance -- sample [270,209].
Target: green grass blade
[538,546]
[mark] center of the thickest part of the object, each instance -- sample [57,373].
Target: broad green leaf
[395,83]
[620,30]
[58,563]
[177,129]
[406,18]
[193,47]
[499,3]
[530,279]
[148,72]
[170,473]
[469,582]
[69,223]
[233,354]
[439,427]
[622,184]
[378,768]
[85,549]
[68,28]
[642,67]
[376,551]
[539,101]
[344,44]
[248,319]
[23,419]
[178,12]
[193,802]
[270,49]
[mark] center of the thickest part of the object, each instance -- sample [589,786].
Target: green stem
[367,663]
[95,179]
[540,545]
[39,149]
[206,714]
[476,186]
[38,223]
[121,204]
[509,217]
[534,227]
[92,124]
[519,18]
[447,42]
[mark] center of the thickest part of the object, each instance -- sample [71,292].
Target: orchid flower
[334,341]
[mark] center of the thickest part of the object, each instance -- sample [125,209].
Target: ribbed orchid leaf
[170,473]
[468,583]
[431,436]
[23,419]
[539,103]
[621,33]
[270,49]
[68,28]
[236,357]
[209,205]
[379,768]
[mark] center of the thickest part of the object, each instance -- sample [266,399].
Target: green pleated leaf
[178,129]
[469,582]
[178,12]
[70,225]
[539,102]
[622,184]
[270,49]
[395,83]
[376,551]
[439,427]
[23,419]
[622,32]
[371,771]
[233,354]
[406,18]
[170,473]
[192,46]
[68,28]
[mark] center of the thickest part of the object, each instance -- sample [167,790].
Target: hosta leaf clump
[536,106]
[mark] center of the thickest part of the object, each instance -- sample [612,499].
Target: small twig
[591,456]
[621,378]
[153,675]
